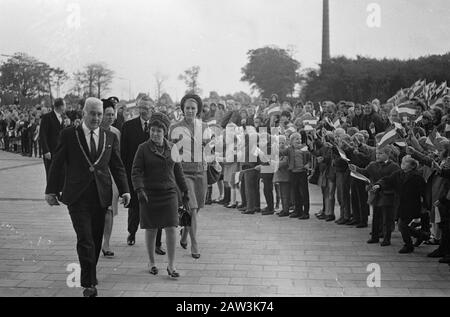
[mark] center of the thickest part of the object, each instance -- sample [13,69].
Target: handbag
[213,172]
[184,218]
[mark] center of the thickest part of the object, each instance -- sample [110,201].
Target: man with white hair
[90,155]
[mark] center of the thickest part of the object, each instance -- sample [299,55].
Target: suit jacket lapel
[101,140]
[142,135]
[55,119]
[83,140]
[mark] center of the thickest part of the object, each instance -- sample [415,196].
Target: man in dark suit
[51,126]
[134,133]
[91,155]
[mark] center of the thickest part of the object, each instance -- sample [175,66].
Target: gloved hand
[142,196]
[185,198]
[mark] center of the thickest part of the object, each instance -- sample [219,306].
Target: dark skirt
[161,211]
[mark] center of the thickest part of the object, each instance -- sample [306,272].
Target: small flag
[312,123]
[390,137]
[408,109]
[342,154]
[274,111]
[441,90]
[360,177]
[337,123]
[431,140]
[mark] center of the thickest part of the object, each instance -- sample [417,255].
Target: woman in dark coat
[155,176]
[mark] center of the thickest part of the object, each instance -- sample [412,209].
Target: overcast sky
[138,38]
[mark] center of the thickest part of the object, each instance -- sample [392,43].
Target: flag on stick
[390,137]
[360,177]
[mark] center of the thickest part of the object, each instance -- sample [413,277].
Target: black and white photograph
[225,154]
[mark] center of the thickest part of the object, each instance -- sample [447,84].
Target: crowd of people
[370,157]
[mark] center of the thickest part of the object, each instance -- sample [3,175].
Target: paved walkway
[242,255]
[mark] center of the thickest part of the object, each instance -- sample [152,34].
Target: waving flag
[342,154]
[360,177]
[408,110]
[417,89]
[274,110]
[431,140]
[441,90]
[391,136]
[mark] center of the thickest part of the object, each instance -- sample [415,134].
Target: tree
[30,79]
[190,78]
[271,70]
[21,75]
[94,80]
[363,79]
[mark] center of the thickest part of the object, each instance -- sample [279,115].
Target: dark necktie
[93,148]
[145,127]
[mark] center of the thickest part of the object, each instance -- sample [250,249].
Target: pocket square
[109,146]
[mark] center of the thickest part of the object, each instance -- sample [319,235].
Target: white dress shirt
[87,135]
[143,124]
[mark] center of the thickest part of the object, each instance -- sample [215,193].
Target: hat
[197,100]
[113,99]
[107,103]
[159,119]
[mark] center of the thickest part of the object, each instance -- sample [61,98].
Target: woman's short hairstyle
[196,99]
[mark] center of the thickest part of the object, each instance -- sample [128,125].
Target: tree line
[269,70]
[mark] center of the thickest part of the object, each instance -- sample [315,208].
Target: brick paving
[242,255]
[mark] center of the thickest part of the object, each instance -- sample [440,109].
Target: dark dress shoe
[406,249]
[352,222]
[385,243]
[196,255]
[341,221]
[257,210]
[131,240]
[361,225]
[248,212]
[173,274]
[154,270]
[445,259]
[183,245]
[160,251]
[303,217]
[266,212]
[436,254]
[322,217]
[232,206]
[330,218]
[373,241]
[283,214]
[90,292]
[108,254]
[294,215]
